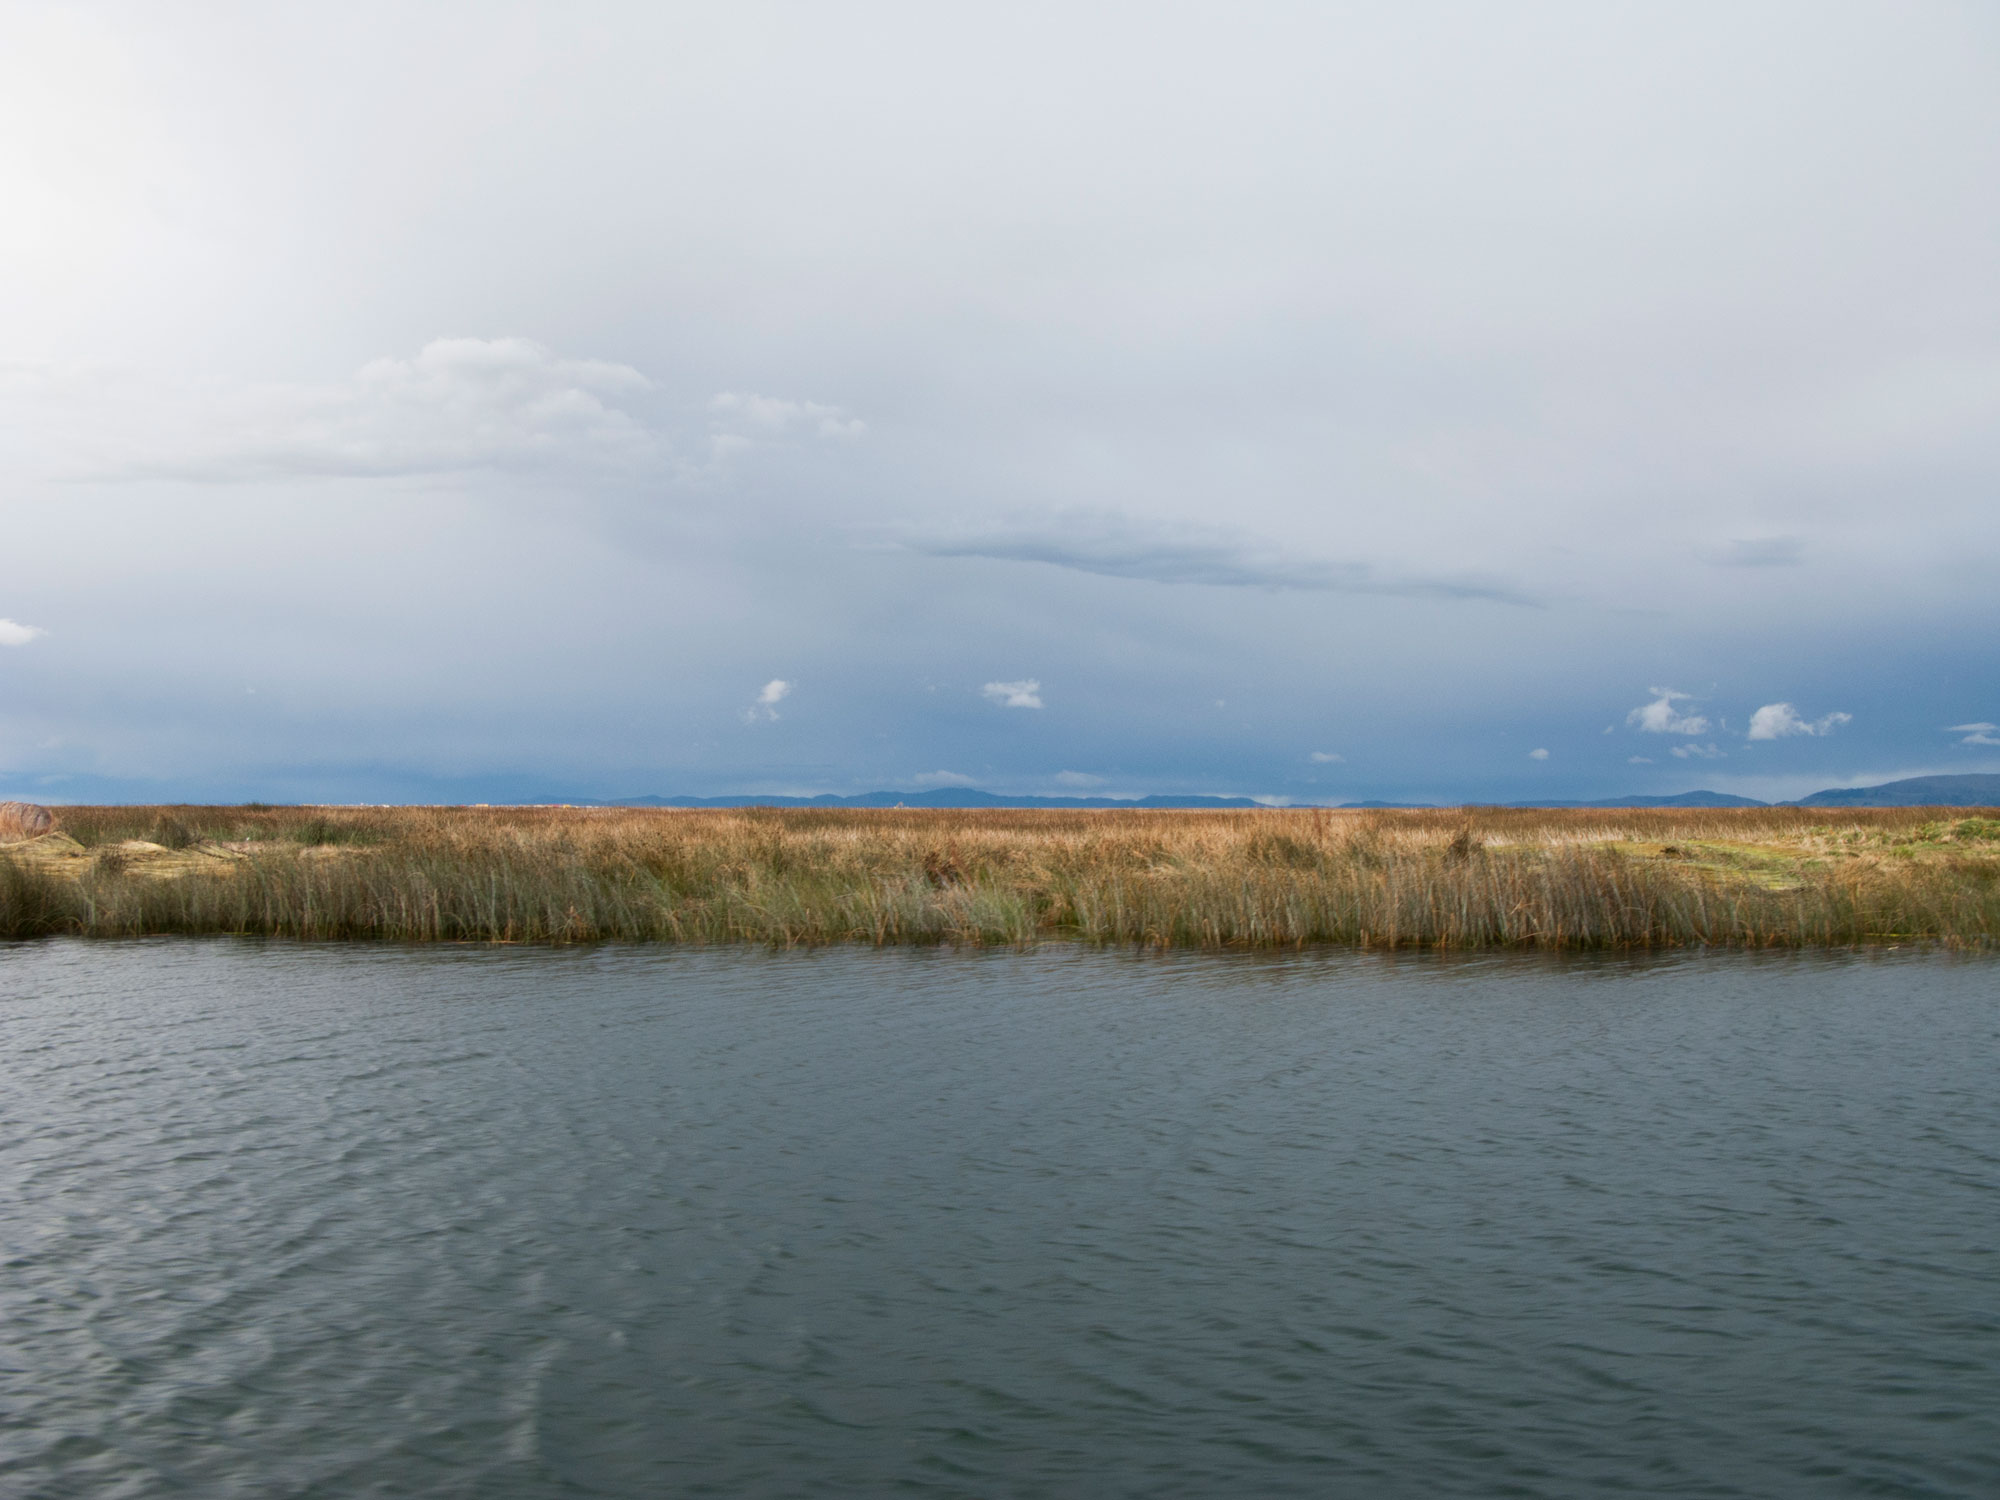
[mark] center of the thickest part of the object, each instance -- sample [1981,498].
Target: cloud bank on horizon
[443,403]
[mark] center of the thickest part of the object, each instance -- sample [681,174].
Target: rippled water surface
[349,1221]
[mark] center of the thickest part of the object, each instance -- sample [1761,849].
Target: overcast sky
[1320,402]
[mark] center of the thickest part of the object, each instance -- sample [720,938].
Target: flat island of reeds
[1460,878]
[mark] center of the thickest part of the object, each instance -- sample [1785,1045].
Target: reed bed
[1460,878]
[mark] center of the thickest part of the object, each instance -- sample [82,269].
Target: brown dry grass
[1460,878]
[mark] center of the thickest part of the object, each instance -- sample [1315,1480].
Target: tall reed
[1460,878]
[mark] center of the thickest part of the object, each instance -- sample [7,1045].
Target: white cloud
[765,709]
[1027,693]
[1538,755]
[1078,779]
[746,415]
[458,404]
[940,778]
[1700,752]
[12,634]
[1661,717]
[1322,757]
[1638,760]
[1774,721]
[1975,734]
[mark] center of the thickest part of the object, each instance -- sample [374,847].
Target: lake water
[340,1221]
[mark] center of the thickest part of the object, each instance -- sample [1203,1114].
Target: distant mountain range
[958,797]
[1916,791]
[1679,799]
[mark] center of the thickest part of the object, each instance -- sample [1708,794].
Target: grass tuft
[171,833]
[34,903]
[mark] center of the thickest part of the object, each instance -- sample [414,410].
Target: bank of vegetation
[1462,878]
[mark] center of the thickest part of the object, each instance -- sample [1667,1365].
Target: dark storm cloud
[1116,547]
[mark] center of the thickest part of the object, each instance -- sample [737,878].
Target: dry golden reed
[1458,878]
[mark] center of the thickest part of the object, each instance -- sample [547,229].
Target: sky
[1315,402]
